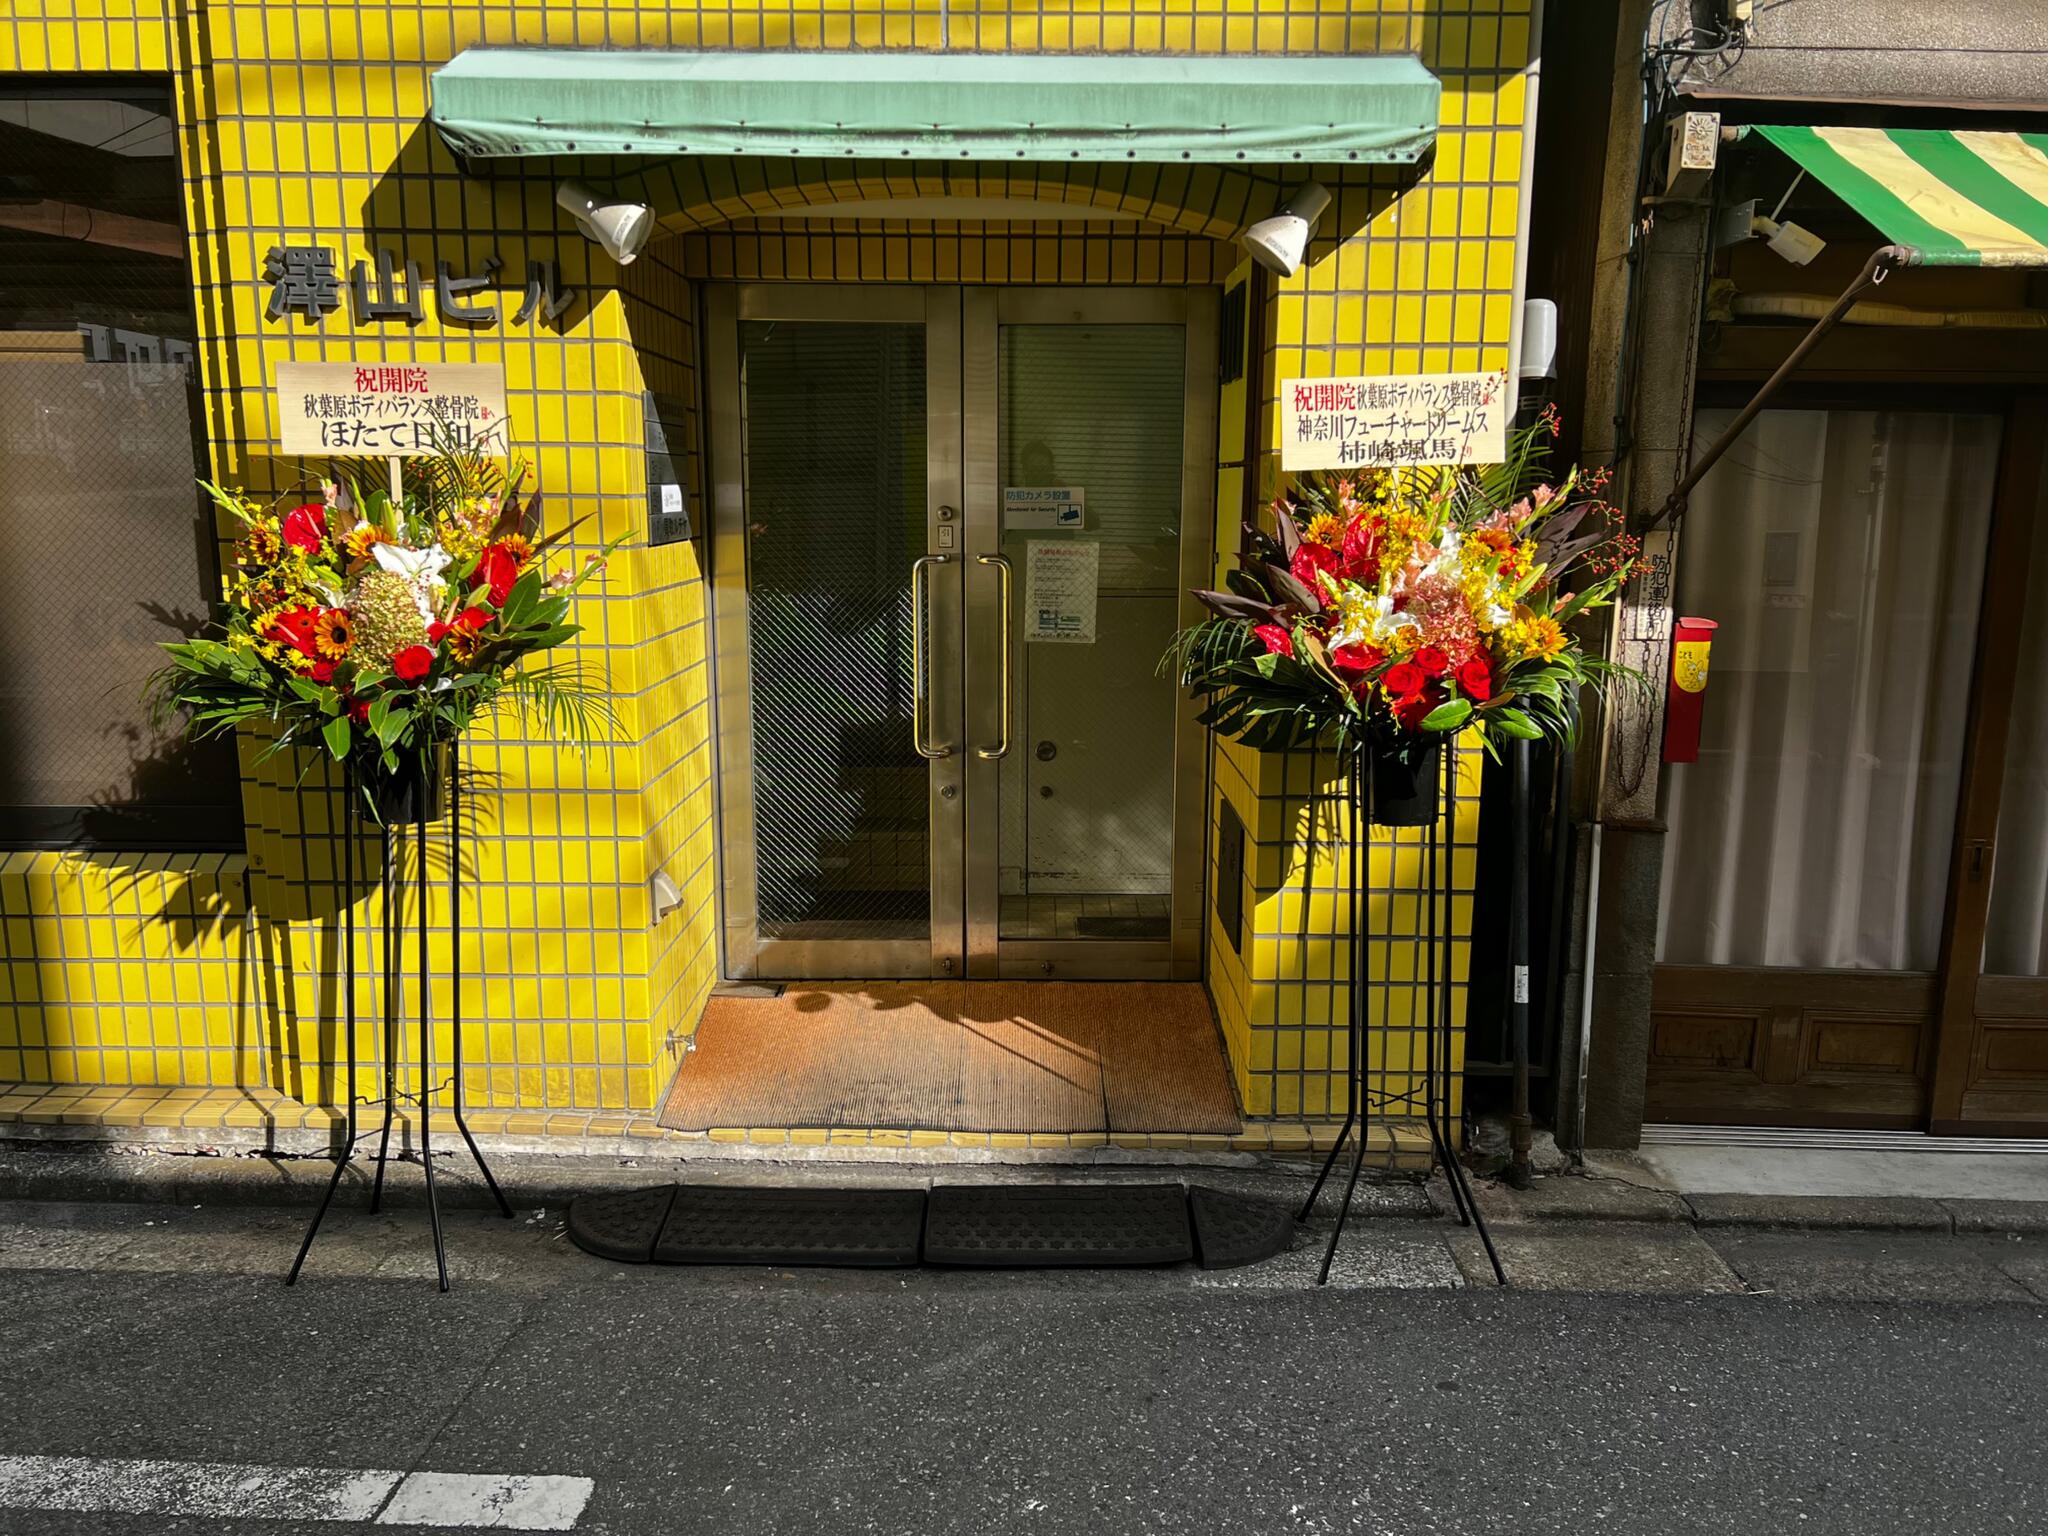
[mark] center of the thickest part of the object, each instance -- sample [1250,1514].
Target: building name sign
[1394,423]
[305,281]
[391,410]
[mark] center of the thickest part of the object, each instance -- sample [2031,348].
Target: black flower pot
[1407,781]
[396,797]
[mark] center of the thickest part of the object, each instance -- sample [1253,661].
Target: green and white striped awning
[1953,198]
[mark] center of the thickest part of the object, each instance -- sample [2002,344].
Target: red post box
[1685,695]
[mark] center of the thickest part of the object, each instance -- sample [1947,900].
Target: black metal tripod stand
[425,1098]
[1368,1094]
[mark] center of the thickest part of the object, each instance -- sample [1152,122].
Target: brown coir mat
[1060,1056]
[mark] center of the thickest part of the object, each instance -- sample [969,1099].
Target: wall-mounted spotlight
[1280,242]
[621,228]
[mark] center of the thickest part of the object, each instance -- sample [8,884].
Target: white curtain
[2016,935]
[1842,553]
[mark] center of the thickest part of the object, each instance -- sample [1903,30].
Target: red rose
[306,527]
[471,619]
[1403,679]
[359,711]
[1308,560]
[413,663]
[1476,679]
[498,568]
[323,672]
[1432,660]
[1278,641]
[1356,658]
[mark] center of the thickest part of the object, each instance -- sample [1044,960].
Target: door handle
[1002,747]
[920,690]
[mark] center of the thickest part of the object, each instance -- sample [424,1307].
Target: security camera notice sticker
[1044,506]
[390,410]
[1059,590]
[1394,423]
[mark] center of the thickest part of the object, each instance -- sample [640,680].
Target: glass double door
[954,532]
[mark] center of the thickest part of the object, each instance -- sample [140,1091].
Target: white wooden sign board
[390,410]
[1397,422]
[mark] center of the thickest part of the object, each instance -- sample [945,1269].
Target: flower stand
[420,807]
[1368,1093]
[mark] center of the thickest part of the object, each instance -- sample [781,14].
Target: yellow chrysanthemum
[262,545]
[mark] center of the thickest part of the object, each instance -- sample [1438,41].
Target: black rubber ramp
[1233,1230]
[620,1226]
[1011,1226]
[736,1224]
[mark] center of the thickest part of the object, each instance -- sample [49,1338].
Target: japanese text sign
[1394,423]
[390,410]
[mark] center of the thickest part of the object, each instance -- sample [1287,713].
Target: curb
[1574,1198]
[98,1174]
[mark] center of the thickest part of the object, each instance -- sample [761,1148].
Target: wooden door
[1991,1062]
[1925,1043]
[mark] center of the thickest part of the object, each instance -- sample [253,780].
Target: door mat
[983,1226]
[1055,1056]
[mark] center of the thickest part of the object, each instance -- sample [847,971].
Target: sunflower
[363,538]
[1324,529]
[518,546]
[334,633]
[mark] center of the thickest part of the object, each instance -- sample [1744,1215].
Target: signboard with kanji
[390,410]
[1394,422]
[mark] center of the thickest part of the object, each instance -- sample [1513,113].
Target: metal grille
[106,546]
[835,489]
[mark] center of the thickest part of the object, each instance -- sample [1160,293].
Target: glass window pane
[98,455]
[1087,790]
[1842,553]
[835,506]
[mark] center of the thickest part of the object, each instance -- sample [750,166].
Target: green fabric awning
[1961,198]
[492,102]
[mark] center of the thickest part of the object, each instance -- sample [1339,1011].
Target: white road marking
[495,1502]
[225,1489]
[235,1490]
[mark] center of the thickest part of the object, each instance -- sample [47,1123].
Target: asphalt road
[765,1402]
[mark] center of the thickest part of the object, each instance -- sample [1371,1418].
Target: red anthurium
[497,568]
[413,663]
[1278,641]
[1432,660]
[1412,708]
[1361,552]
[1308,560]
[305,527]
[1476,678]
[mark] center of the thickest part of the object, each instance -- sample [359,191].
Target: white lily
[423,566]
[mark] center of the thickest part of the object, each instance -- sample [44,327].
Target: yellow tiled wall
[304,124]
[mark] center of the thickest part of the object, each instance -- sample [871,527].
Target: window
[1842,553]
[107,546]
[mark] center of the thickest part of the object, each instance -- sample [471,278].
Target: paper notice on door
[1059,591]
